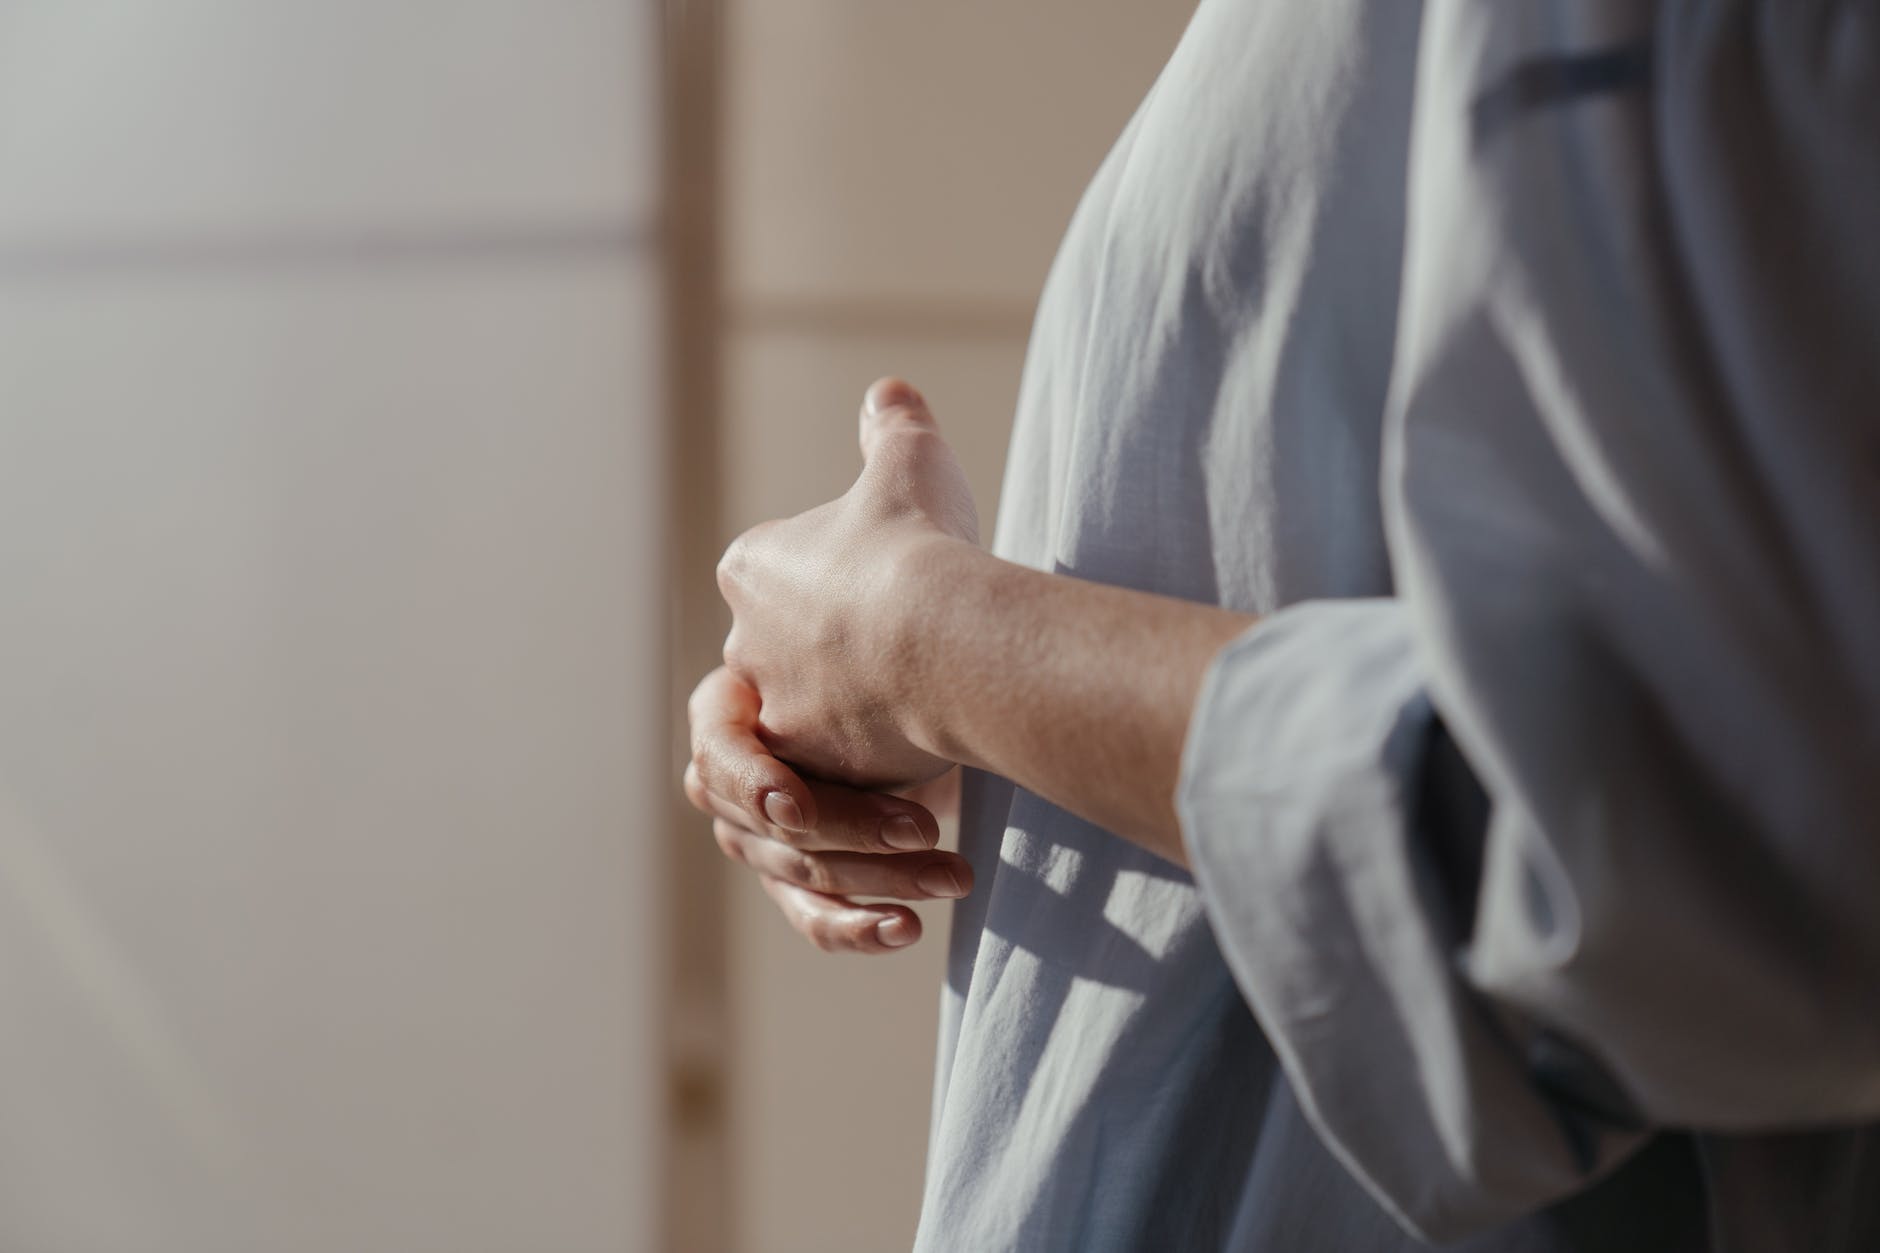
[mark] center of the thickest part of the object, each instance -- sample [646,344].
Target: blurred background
[379,381]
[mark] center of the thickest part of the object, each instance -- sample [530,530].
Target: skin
[875,644]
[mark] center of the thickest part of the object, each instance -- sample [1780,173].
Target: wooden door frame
[697,1162]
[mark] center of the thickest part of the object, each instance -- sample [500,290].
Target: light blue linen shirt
[1516,359]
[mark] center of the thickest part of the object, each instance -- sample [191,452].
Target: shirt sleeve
[1578,834]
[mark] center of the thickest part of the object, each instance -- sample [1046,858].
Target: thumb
[891,405]
[922,473]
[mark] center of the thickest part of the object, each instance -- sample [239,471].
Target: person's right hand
[814,845]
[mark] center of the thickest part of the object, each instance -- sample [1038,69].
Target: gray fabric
[1618,593]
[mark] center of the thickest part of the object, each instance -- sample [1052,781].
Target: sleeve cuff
[1298,801]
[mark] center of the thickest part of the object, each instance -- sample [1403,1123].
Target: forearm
[1077,691]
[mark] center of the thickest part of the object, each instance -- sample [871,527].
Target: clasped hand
[807,747]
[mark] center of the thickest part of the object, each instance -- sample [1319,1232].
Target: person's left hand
[814,601]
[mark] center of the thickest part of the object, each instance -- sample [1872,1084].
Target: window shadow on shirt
[1177,1066]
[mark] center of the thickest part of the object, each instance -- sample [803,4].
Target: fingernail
[939,881]
[904,833]
[895,932]
[889,393]
[782,810]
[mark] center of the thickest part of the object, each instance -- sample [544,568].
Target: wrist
[935,584]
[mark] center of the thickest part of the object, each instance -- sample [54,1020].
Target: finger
[846,819]
[891,405]
[904,876]
[868,822]
[731,763]
[838,926]
[907,463]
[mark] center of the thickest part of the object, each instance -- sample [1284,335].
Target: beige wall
[896,178]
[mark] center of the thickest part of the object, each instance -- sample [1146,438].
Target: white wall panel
[210,122]
[332,691]
[329,710]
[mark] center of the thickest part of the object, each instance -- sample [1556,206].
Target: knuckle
[735,566]
[906,444]
[707,778]
[694,786]
[751,789]
[719,776]
[728,842]
[818,932]
[731,566]
[812,872]
[736,656]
